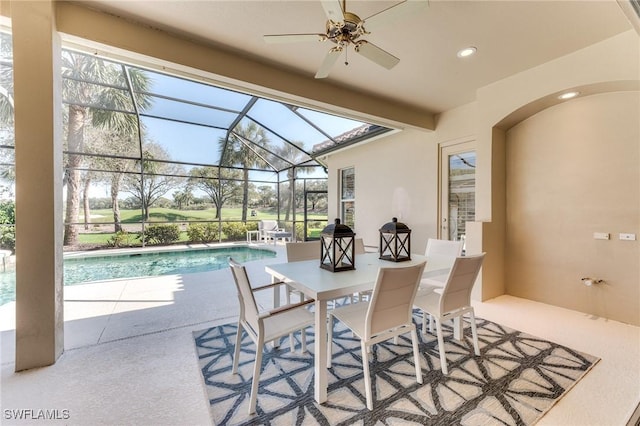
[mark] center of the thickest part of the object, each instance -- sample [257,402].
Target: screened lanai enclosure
[155,158]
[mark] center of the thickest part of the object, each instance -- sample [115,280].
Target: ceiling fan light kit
[345,28]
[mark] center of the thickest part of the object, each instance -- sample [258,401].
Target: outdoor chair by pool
[266,226]
[387,315]
[263,327]
[453,302]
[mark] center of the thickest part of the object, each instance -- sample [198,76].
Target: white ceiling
[511,36]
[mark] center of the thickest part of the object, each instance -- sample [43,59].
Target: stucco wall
[608,70]
[572,170]
[395,176]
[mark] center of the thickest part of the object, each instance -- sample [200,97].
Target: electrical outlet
[601,235]
[627,237]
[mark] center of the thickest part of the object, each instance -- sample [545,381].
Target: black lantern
[337,248]
[395,241]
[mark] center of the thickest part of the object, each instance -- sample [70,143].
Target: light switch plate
[627,237]
[601,235]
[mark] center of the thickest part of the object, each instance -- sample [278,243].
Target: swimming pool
[79,270]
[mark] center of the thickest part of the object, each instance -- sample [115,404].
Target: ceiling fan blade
[391,14]
[333,10]
[328,62]
[375,54]
[292,38]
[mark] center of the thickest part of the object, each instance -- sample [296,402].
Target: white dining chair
[263,327]
[387,315]
[440,248]
[453,302]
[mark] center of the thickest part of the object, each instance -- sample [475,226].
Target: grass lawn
[159,214]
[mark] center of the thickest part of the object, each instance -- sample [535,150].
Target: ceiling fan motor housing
[346,31]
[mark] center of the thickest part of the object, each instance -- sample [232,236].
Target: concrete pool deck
[130,357]
[105,311]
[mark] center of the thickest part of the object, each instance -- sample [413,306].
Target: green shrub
[8,237]
[203,232]
[8,232]
[120,239]
[234,230]
[8,212]
[160,234]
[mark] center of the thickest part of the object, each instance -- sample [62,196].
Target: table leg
[321,352]
[276,292]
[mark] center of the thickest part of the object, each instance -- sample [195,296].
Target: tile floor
[130,359]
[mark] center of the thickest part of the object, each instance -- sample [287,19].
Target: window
[348,196]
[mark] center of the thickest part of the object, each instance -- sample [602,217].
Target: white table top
[321,284]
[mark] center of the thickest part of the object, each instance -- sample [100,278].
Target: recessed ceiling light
[467,51]
[568,95]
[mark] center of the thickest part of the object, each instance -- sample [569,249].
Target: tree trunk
[75,140]
[115,189]
[85,201]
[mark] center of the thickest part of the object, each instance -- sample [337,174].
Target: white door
[457,189]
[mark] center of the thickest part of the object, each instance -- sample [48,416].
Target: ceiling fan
[344,28]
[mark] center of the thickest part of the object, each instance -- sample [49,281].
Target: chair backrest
[268,225]
[308,250]
[443,247]
[248,308]
[391,302]
[457,291]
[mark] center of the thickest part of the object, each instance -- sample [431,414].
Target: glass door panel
[458,190]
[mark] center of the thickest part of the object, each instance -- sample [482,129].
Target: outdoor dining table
[322,285]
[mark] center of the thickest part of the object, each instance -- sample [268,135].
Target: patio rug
[516,380]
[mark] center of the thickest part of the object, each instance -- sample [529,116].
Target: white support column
[38,154]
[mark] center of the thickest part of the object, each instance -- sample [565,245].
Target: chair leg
[257,367]
[474,333]
[367,376]
[236,352]
[424,322]
[443,355]
[303,344]
[288,295]
[329,340]
[416,355]
[430,323]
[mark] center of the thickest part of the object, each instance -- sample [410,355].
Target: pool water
[135,265]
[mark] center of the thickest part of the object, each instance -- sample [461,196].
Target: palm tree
[236,150]
[295,155]
[98,103]
[6,108]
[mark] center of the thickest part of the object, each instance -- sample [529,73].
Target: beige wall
[599,71]
[395,176]
[573,170]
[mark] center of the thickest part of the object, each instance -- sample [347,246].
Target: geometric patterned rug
[515,381]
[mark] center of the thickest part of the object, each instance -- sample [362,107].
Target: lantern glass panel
[337,248]
[395,242]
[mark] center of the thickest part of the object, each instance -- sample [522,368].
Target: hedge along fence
[164,234]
